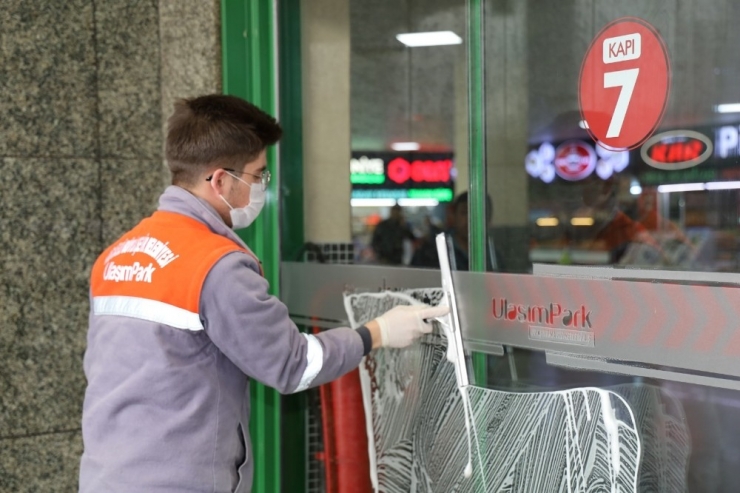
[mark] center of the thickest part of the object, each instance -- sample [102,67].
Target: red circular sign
[574,161]
[399,170]
[624,83]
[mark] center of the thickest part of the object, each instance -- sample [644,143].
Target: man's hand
[401,326]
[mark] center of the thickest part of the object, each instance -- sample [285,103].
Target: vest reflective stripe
[150,310]
[314,362]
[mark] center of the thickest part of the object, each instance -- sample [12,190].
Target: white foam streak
[444,322]
[588,407]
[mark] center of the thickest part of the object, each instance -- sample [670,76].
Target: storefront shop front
[659,209]
[421,184]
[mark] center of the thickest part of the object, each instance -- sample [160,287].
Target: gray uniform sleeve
[254,331]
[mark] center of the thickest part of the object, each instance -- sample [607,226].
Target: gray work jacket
[166,408]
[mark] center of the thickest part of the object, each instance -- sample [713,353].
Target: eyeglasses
[264,176]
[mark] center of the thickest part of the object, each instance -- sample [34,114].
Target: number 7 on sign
[626,79]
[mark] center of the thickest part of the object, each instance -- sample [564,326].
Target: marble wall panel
[190,36]
[48,463]
[129,190]
[49,240]
[47,69]
[80,162]
[128,58]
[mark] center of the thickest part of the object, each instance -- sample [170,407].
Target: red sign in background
[401,170]
[624,83]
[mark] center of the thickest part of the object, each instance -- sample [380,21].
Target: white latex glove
[402,325]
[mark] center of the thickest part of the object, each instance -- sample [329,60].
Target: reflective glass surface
[409,128]
[666,197]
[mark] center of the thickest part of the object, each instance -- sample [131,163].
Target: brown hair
[216,129]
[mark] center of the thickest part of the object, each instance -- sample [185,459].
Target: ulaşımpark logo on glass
[549,323]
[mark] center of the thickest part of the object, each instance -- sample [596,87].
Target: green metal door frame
[249,52]
[477,124]
[250,33]
[294,407]
[291,118]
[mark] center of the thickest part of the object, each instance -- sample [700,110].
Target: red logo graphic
[679,149]
[574,160]
[624,83]
[400,171]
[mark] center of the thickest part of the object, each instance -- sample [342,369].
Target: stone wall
[84,85]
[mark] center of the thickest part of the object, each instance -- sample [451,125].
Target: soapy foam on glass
[537,439]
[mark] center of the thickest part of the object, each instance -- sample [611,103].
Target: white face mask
[244,216]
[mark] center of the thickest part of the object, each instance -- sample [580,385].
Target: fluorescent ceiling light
[405,146]
[373,202]
[435,38]
[727,108]
[722,185]
[582,221]
[418,202]
[695,187]
[681,187]
[545,222]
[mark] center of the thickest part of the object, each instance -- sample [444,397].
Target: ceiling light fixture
[434,38]
[681,187]
[545,222]
[582,221]
[722,185]
[700,187]
[373,202]
[405,146]
[727,108]
[418,202]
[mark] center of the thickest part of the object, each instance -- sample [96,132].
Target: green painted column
[249,58]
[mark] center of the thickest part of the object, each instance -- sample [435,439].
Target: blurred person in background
[614,230]
[457,231]
[389,237]
[649,216]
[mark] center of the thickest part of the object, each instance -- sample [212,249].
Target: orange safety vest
[164,259]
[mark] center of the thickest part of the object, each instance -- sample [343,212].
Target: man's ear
[218,181]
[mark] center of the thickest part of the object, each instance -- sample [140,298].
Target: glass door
[612,141]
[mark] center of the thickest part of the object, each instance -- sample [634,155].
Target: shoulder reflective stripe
[314,362]
[144,309]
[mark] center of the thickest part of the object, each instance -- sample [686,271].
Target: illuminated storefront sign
[673,153]
[367,171]
[574,161]
[402,171]
[671,157]
[691,175]
[675,156]
[675,150]
[407,175]
[439,194]
[727,142]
